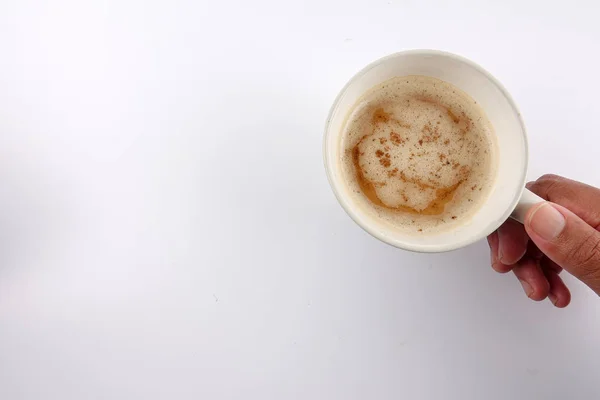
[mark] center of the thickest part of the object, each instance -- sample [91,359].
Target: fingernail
[552,298]
[547,221]
[526,287]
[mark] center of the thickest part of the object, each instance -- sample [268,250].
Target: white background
[167,230]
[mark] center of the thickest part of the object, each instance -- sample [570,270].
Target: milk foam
[419,153]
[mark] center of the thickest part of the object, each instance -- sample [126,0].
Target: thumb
[567,240]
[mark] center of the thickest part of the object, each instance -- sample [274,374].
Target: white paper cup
[508,196]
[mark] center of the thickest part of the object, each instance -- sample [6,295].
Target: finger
[549,265]
[567,240]
[578,197]
[496,264]
[533,251]
[493,242]
[513,241]
[529,185]
[533,280]
[559,294]
[545,262]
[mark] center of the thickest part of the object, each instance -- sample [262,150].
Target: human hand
[562,233]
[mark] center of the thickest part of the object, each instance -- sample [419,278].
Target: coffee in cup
[402,176]
[418,153]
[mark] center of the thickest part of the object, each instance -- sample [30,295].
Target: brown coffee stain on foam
[452,116]
[459,118]
[366,186]
[396,139]
[430,133]
[379,116]
[464,123]
[443,195]
[436,206]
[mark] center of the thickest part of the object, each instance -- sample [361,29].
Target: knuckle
[501,268]
[586,257]
[549,177]
[548,186]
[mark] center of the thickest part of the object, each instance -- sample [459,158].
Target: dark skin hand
[562,233]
